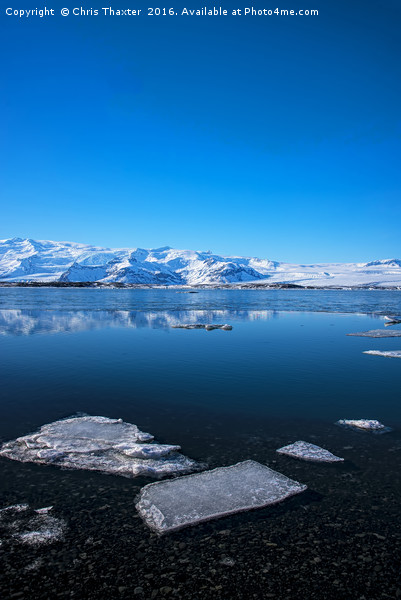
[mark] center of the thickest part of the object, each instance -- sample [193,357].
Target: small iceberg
[388,353]
[391,320]
[378,333]
[99,444]
[364,425]
[23,525]
[307,451]
[224,327]
[176,503]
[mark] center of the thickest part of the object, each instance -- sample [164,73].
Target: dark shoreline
[337,541]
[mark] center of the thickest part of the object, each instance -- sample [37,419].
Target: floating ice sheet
[176,503]
[364,425]
[378,333]
[308,451]
[23,525]
[99,444]
[208,327]
[388,353]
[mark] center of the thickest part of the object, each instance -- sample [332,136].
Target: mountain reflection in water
[29,322]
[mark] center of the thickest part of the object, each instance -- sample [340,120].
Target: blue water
[286,371]
[352,301]
[59,358]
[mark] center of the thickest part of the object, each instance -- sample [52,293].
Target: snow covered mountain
[26,260]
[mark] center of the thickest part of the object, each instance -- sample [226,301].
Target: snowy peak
[389,262]
[27,260]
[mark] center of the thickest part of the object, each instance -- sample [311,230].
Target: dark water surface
[285,372]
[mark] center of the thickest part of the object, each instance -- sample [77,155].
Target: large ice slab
[176,503]
[364,425]
[388,353]
[307,451]
[378,333]
[99,444]
[21,524]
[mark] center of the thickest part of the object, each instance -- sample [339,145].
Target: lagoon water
[286,372]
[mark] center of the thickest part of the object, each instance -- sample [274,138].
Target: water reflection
[28,322]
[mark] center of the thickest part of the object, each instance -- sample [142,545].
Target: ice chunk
[308,451]
[364,425]
[388,353]
[392,319]
[176,503]
[99,444]
[44,511]
[208,327]
[378,333]
[146,450]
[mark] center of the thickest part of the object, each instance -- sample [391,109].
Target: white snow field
[99,444]
[23,525]
[364,425]
[387,353]
[378,333]
[46,261]
[176,503]
[307,451]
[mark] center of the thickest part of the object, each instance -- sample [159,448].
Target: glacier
[28,260]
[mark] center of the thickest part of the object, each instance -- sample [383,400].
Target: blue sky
[274,136]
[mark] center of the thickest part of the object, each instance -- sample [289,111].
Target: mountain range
[27,260]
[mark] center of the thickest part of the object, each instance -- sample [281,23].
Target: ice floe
[392,319]
[176,503]
[378,333]
[99,444]
[388,353]
[19,523]
[307,451]
[364,425]
[208,327]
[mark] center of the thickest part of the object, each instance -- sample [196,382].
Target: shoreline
[221,286]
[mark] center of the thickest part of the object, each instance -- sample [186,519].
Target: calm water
[286,371]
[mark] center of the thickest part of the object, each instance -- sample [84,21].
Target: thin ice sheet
[169,505]
[387,353]
[378,333]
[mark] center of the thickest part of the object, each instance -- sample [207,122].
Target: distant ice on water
[388,353]
[307,451]
[378,333]
[176,503]
[391,320]
[97,443]
[364,425]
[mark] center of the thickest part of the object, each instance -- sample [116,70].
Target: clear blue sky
[274,136]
